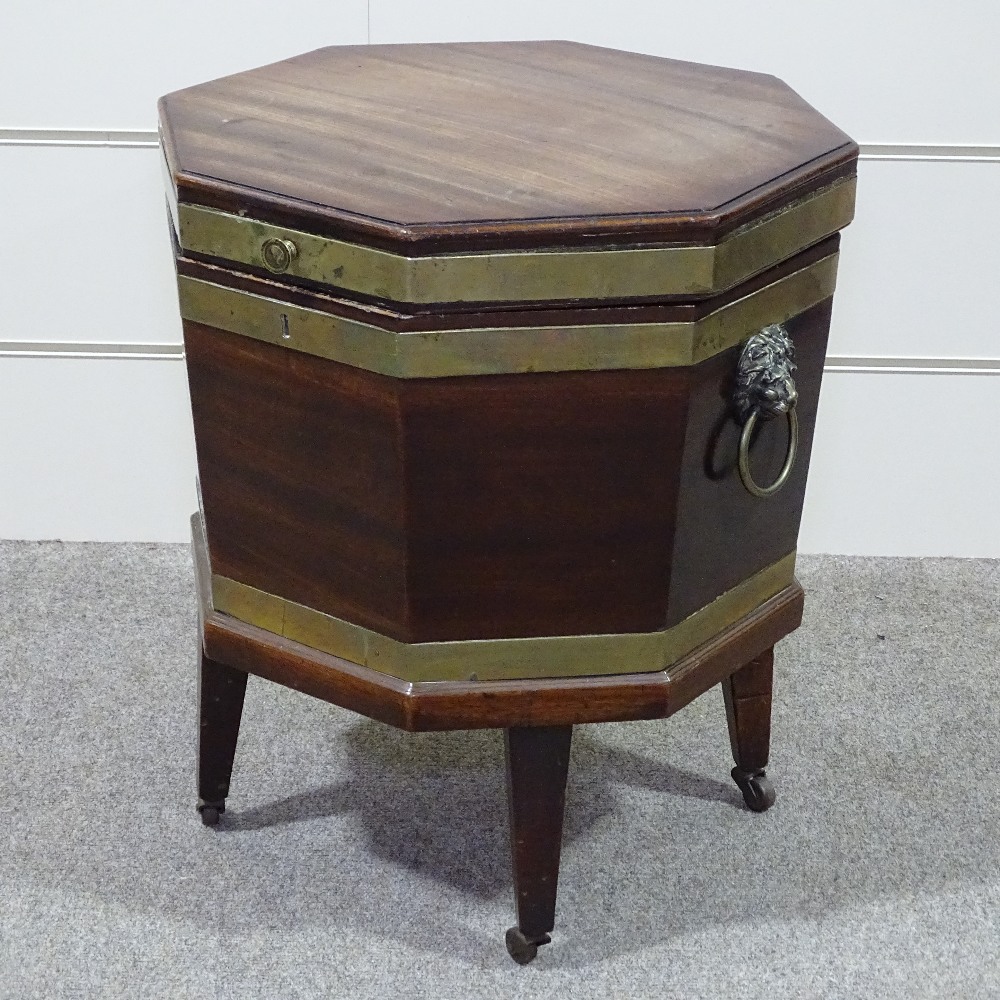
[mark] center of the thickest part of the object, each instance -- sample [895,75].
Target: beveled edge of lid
[702,227]
[622,273]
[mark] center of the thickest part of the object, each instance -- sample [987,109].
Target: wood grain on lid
[531,141]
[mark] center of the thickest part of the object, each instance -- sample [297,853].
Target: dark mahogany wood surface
[723,534]
[498,144]
[541,504]
[301,476]
[443,705]
[537,759]
[221,690]
[439,509]
[747,694]
[492,506]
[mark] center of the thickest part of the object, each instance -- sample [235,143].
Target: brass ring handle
[786,469]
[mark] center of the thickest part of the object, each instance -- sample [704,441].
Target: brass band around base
[505,350]
[527,275]
[500,659]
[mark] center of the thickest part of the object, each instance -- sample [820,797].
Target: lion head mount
[764,374]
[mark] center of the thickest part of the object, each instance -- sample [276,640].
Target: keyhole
[285,335]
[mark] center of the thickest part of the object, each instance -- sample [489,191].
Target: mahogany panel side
[301,476]
[541,504]
[724,534]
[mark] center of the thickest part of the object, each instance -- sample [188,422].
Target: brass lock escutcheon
[278,254]
[766,389]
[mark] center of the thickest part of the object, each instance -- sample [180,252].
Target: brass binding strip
[500,659]
[527,275]
[505,350]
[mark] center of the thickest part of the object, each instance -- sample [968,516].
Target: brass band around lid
[500,659]
[505,350]
[528,275]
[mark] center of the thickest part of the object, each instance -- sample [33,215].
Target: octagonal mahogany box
[466,331]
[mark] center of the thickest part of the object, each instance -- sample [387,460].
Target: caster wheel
[758,792]
[210,812]
[520,948]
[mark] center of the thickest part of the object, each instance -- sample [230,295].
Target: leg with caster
[520,948]
[220,707]
[537,765]
[748,710]
[758,792]
[211,811]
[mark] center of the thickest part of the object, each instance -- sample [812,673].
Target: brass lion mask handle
[766,389]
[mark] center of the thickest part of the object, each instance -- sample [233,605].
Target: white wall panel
[918,268]
[905,465]
[883,70]
[85,253]
[70,64]
[95,450]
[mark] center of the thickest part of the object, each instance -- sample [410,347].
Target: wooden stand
[537,717]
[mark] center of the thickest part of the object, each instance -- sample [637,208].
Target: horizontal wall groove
[77,137]
[106,351]
[914,366]
[139,138]
[175,352]
[931,152]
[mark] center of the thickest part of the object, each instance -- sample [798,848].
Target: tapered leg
[220,707]
[748,710]
[537,763]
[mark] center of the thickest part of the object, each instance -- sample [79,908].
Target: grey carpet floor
[357,861]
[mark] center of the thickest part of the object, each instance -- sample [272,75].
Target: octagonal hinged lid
[502,172]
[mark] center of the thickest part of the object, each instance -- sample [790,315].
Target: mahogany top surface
[539,140]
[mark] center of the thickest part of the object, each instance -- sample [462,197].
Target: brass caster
[758,792]
[520,948]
